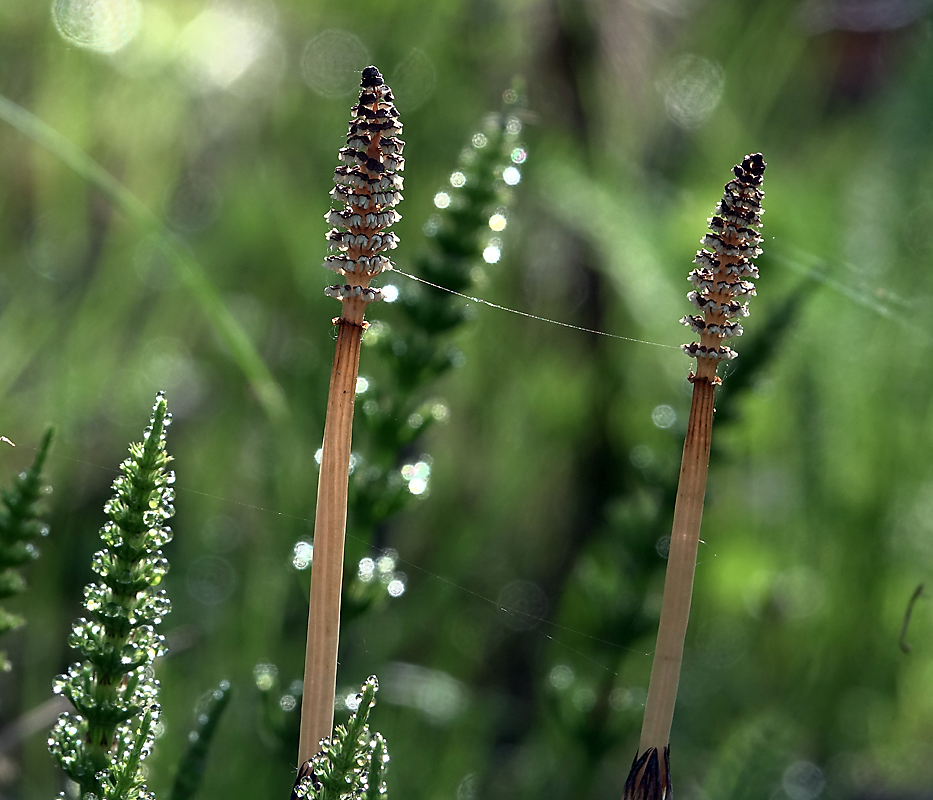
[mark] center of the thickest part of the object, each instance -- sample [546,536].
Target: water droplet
[264,675]
[511,175]
[366,570]
[518,155]
[479,140]
[442,199]
[492,254]
[396,587]
[390,293]
[301,555]
[287,702]
[362,384]
[457,179]
[498,222]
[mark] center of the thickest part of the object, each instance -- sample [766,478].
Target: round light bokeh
[103,26]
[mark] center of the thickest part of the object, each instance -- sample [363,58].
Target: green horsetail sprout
[350,764]
[114,693]
[368,184]
[720,281]
[19,525]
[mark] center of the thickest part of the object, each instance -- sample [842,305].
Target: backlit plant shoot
[102,745]
[368,184]
[721,286]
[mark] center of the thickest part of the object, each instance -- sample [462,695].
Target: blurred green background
[529,554]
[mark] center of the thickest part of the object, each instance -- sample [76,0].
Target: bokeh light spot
[511,176]
[301,555]
[103,26]
[498,222]
[442,199]
[492,254]
[692,88]
[332,61]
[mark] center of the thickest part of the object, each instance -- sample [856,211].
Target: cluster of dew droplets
[118,639]
[352,757]
[725,264]
[370,187]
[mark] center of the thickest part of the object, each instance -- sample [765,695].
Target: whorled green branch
[19,526]
[113,689]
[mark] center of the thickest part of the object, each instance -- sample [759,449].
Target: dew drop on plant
[361,385]
[366,570]
[301,555]
[352,701]
[264,675]
[512,176]
[389,293]
[396,587]
[386,563]
[442,199]
[318,455]
[417,486]
[492,254]
[457,180]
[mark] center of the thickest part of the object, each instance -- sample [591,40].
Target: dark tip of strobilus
[371,77]
[648,778]
[751,169]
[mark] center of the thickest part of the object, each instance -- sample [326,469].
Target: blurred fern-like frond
[19,525]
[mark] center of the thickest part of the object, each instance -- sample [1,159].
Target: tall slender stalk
[720,281]
[369,186]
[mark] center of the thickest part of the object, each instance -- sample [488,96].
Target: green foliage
[193,764]
[351,764]
[113,689]
[411,350]
[19,526]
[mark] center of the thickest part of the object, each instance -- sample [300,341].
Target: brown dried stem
[719,280]
[369,187]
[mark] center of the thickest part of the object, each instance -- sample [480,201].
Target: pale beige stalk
[368,184]
[681,561]
[330,524]
[720,289]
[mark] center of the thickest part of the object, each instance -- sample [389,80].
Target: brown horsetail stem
[368,184]
[721,285]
